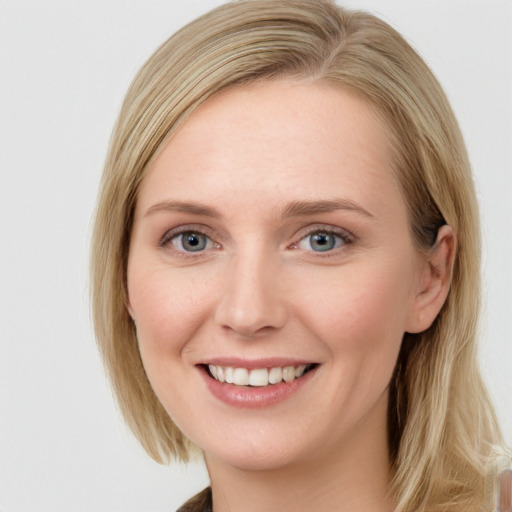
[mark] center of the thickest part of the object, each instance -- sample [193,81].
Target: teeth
[241,377]
[299,371]
[288,373]
[258,377]
[275,375]
[230,375]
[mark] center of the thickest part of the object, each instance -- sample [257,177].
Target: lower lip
[250,397]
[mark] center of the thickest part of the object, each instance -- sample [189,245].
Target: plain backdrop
[64,67]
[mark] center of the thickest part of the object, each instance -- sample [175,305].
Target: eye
[322,241]
[191,241]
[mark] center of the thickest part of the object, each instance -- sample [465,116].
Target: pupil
[194,242]
[322,242]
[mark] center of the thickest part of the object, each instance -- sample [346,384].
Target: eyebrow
[182,206]
[293,209]
[304,208]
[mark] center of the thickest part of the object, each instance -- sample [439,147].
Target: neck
[353,476]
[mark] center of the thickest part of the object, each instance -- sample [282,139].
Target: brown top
[201,502]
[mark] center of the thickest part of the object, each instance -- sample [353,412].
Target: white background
[64,67]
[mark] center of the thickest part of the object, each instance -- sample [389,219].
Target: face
[271,274]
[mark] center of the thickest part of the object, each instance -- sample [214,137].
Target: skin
[259,290]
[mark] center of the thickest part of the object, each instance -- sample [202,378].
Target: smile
[257,377]
[256,384]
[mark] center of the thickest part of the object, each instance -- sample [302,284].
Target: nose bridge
[251,302]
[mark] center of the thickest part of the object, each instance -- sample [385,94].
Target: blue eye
[191,241]
[321,241]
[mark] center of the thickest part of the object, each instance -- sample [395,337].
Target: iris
[193,242]
[322,241]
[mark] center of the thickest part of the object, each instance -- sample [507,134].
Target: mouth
[258,377]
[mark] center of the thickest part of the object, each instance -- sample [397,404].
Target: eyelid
[344,234]
[167,237]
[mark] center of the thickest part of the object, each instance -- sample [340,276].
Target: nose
[251,302]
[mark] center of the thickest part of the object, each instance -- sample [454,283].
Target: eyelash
[172,234]
[343,238]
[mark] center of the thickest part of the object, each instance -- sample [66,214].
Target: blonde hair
[441,425]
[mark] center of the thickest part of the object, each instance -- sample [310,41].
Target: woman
[286,267]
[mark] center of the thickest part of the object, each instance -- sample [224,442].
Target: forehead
[281,137]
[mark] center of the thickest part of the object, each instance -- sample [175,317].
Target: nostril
[248,331]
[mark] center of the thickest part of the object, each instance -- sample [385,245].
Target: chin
[270,451]
[248,459]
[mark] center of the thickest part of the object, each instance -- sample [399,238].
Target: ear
[129,308]
[434,282]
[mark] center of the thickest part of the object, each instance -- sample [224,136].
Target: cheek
[360,310]
[168,306]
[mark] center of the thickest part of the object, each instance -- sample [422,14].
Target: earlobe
[131,313]
[435,281]
[129,309]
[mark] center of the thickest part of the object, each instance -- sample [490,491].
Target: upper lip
[268,362]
